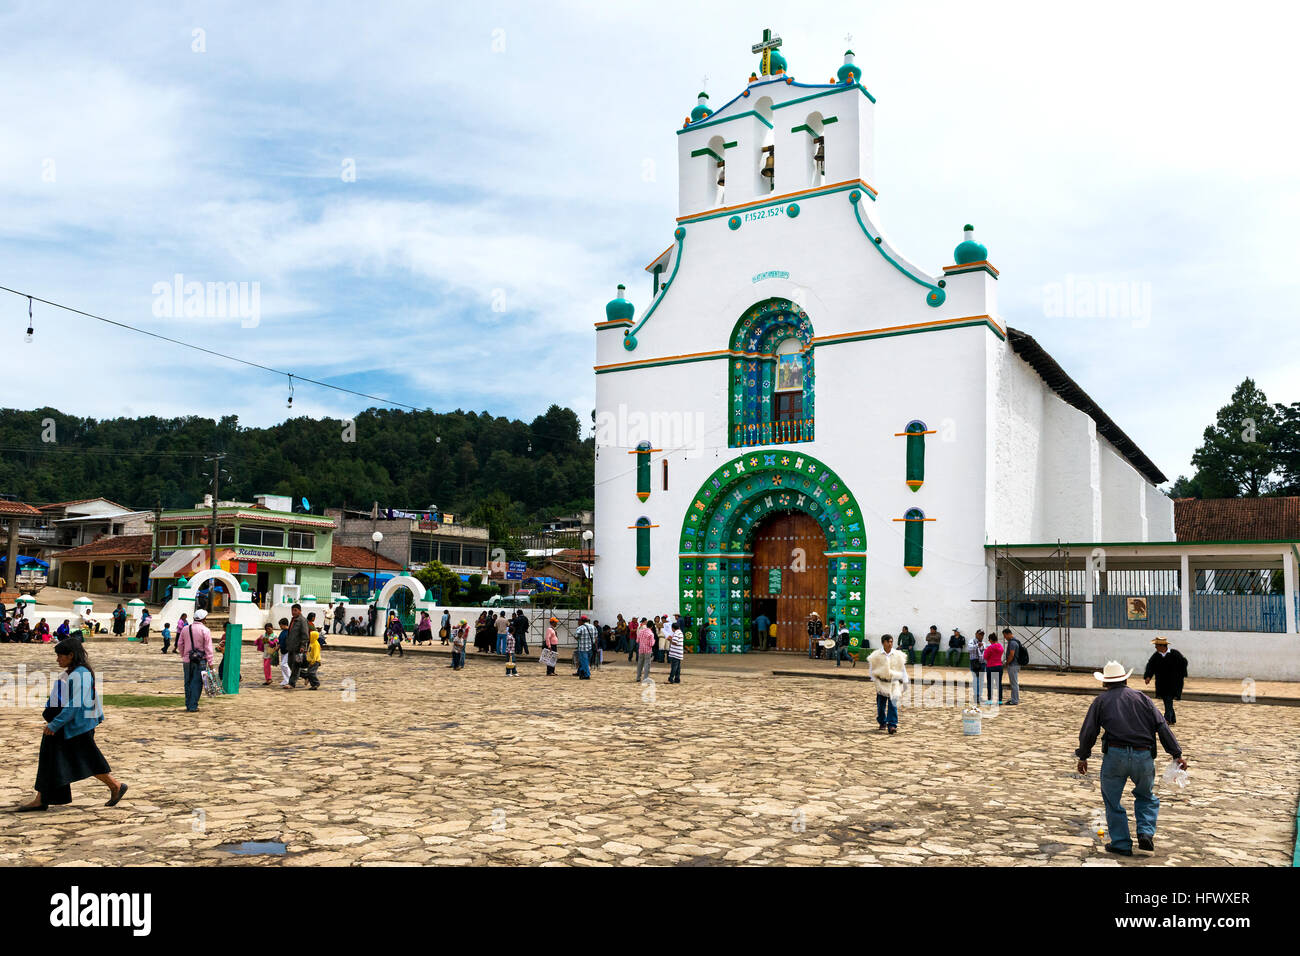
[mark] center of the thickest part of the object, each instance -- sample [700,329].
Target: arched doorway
[716,557]
[790,577]
[405,605]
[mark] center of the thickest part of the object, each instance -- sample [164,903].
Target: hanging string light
[290,405]
[29,320]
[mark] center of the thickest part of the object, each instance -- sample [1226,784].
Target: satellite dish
[306,505]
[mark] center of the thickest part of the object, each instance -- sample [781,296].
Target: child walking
[266,644]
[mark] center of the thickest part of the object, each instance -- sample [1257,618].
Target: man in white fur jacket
[889,673]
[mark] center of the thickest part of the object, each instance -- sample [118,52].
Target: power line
[199,348]
[292,376]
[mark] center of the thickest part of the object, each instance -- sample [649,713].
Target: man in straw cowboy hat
[1131,723]
[1169,668]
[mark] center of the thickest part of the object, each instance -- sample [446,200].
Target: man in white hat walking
[194,644]
[1131,723]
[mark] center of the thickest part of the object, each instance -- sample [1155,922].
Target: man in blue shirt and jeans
[1131,722]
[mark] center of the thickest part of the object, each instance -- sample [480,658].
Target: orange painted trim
[614,324]
[905,434]
[916,519]
[666,358]
[638,527]
[817,340]
[937,323]
[781,198]
[983,263]
[650,267]
[638,451]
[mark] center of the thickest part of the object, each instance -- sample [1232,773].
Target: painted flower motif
[776,480]
[785,459]
[753,462]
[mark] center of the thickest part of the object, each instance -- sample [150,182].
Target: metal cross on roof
[765,47]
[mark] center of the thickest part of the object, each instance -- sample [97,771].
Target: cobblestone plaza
[403,761]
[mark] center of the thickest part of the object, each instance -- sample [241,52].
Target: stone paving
[403,761]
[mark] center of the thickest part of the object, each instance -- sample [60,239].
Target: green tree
[1237,455]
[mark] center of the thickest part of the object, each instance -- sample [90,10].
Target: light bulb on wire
[29,320]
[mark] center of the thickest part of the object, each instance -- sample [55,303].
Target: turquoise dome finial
[849,72]
[619,308]
[701,111]
[969,250]
[777,63]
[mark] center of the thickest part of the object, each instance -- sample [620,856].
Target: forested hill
[455,460]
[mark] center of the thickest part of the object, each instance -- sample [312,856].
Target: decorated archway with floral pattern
[715,561]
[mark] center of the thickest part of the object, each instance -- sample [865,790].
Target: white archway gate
[242,609]
[400,581]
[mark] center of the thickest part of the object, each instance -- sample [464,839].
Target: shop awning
[176,563]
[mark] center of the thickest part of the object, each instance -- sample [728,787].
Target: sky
[434,201]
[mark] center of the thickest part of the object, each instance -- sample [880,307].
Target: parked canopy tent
[176,563]
[23,561]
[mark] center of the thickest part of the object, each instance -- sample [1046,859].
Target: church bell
[769,166]
[820,154]
[722,173]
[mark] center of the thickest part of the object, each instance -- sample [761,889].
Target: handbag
[548,657]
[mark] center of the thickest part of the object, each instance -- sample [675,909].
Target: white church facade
[802,419]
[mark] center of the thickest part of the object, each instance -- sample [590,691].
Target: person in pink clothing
[266,644]
[551,643]
[993,662]
[645,648]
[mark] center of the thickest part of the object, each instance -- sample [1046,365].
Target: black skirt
[62,762]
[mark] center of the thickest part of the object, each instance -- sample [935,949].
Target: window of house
[474,557]
[261,537]
[302,540]
[449,552]
[789,406]
[167,539]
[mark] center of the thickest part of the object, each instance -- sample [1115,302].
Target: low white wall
[1228,654]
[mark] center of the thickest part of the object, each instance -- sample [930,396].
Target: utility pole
[157,527]
[216,494]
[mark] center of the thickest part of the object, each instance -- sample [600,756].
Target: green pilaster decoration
[915,434]
[913,539]
[642,528]
[643,452]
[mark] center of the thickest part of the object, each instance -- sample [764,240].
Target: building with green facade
[261,546]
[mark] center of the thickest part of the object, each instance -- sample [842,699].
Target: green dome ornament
[619,309]
[701,111]
[777,63]
[849,72]
[969,250]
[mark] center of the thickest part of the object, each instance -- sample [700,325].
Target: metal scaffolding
[1035,599]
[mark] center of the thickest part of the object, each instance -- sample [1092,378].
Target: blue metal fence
[1264,613]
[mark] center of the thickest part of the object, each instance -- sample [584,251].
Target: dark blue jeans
[674,670]
[929,654]
[193,684]
[584,663]
[886,711]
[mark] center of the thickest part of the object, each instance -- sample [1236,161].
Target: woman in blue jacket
[68,751]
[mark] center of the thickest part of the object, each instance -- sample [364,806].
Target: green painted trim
[840,88]
[706,152]
[806,129]
[653,363]
[936,296]
[802,197]
[731,145]
[1131,544]
[725,119]
[629,340]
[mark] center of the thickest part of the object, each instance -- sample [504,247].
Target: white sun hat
[1112,673]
